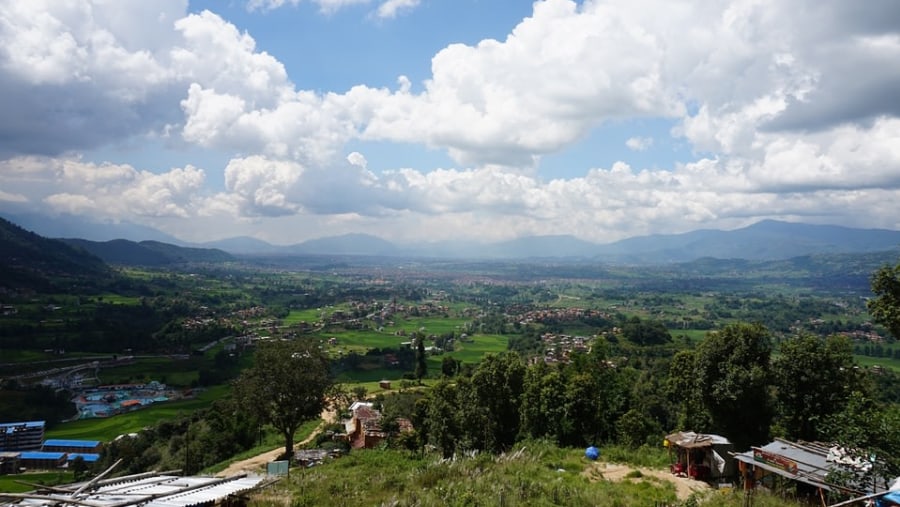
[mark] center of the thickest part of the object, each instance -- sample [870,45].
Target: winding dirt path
[257,464]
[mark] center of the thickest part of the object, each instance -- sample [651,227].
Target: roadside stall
[703,457]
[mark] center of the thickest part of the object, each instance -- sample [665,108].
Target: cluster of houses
[558,347]
[545,315]
[23,447]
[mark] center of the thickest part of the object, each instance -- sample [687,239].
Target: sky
[433,120]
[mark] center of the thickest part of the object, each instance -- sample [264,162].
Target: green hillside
[148,253]
[28,260]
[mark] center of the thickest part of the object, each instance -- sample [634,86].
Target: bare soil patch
[684,486]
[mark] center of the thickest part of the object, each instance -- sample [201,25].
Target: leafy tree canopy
[732,375]
[813,379]
[885,306]
[287,386]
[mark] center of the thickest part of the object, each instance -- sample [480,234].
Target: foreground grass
[541,474]
[13,483]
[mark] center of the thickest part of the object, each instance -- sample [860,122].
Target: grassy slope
[540,475]
[11,484]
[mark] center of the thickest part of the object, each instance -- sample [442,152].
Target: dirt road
[257,464]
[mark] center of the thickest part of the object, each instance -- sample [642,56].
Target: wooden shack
[700,456]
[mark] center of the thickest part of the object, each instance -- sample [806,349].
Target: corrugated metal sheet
[690,440]
[157,491]
[207,494]
[811,463]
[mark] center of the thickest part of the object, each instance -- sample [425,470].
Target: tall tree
[681,386]
[594,397]
[544,404]
[421,358]
[287,386]
[497,385]
[441,417]
[449,366]
[885,306]
[733,375]
[813,379]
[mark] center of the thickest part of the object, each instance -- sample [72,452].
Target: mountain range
[763,241]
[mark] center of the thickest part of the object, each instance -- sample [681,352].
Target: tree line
[730,384]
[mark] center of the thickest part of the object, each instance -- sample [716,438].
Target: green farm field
[308,315]
[480,344]
[117,299]
[429,325]
[176,372]
[361,341]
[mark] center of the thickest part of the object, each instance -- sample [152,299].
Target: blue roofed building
[78,446]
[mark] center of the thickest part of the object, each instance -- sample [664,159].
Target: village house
[364,429]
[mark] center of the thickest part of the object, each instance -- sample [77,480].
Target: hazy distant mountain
[348,244]
[30,260]
[148,253]
[765,240]
[533,247]
[71,226]
[245,245]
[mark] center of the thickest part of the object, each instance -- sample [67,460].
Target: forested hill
[28,260]
[148,253]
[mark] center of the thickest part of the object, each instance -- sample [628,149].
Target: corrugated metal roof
[690,440]
[808,462]
[155,491]
[42,455]
[208,494]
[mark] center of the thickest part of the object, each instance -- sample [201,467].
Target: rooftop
[810,463]
[89,444]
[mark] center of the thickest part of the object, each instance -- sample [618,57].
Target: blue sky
[419,120]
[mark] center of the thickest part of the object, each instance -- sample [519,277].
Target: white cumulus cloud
[391,8]
[639,143]
[790,110]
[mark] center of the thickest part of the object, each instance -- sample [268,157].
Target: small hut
[700,456]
